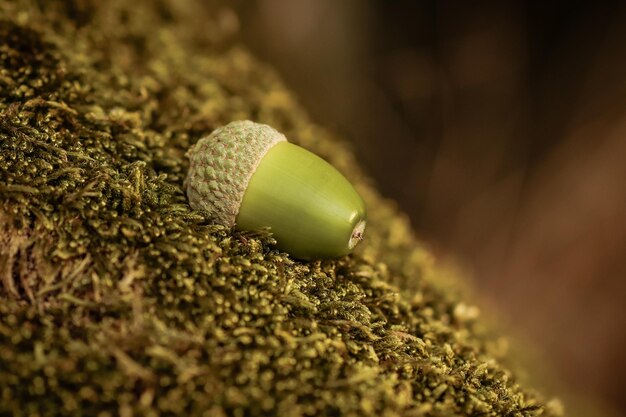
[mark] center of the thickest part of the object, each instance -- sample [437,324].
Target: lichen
[118,298]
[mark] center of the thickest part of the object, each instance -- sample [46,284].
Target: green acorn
[247,175]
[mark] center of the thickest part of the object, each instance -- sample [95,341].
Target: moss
[118,299]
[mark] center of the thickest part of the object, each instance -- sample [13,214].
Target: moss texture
[117,298]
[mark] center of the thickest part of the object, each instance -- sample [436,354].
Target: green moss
[116,298]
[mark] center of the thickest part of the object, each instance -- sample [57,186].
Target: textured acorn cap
[222,164]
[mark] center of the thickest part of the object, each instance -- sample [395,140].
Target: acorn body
[247,175]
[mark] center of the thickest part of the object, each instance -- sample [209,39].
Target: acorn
[248,175]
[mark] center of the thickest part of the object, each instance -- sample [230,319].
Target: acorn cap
[247,174]
[222,164]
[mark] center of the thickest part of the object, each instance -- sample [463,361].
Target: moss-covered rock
[117,298]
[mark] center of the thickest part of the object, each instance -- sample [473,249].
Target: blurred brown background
[500,127]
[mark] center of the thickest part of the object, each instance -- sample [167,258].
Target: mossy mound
[116,298]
